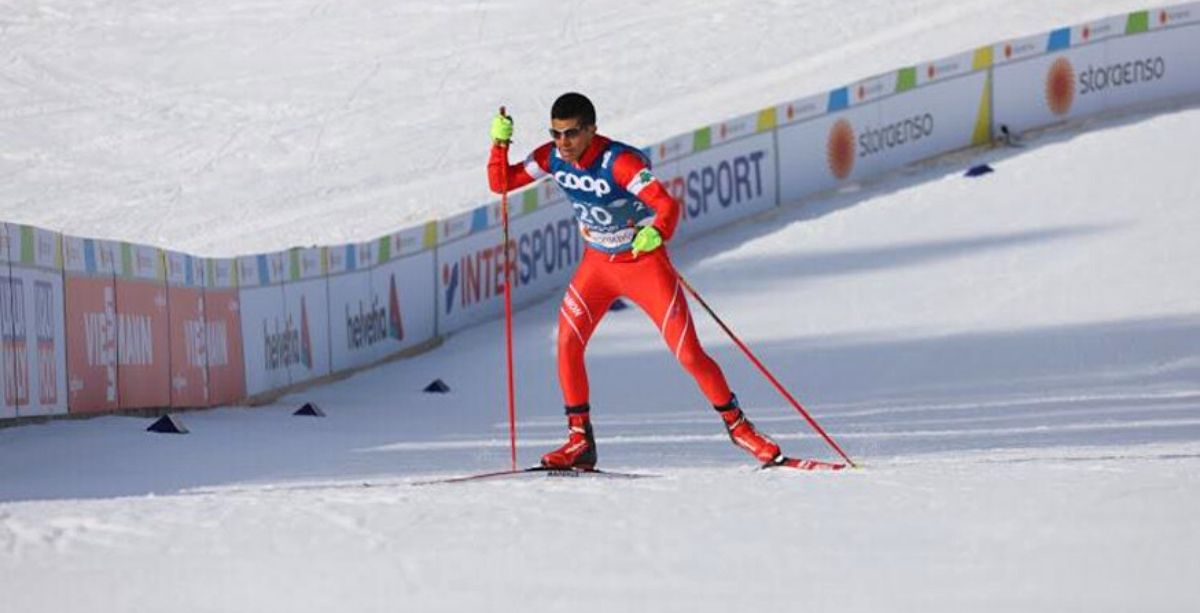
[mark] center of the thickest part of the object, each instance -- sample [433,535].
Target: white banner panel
[806,108]
[1175,15]
[928,121]
[8,383]
[722,184]
[40,331]
[270,340]
[1098,30]
[944,68]
[1157,65]
[1083,80]
[306,263]
[379,308]
[36,349]
[868,140]
[470,274]
[820,154]
[359,320]
[672,149]
[306,308]
[403,287]
[1046,89]
[734,129]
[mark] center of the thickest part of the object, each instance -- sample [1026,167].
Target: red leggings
[652,283]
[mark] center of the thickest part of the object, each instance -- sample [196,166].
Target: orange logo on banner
[840,150]
[1060,86]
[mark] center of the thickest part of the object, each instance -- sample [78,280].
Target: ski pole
[763,369]
[508,344]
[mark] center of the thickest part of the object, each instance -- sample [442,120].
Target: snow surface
[1014,358]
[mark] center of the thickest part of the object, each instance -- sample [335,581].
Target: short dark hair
[573,105]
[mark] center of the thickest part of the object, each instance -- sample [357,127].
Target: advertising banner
[379,302]
[1172,16]
[223,347]
[462,225]
[143,329]
[188,330]
[671,149]
[871,89]
[822,153]
[91,306]
[1097,67]
[417,239]
[1098,30]
[1158,65]
[546,246]
[37,346]
[305,353]
[8,373]
[406,283]
[722,184]
[1040,85]
[306,302]
[270,340]
[802,109]
[355,332]
[868,140]
[738,127]
[942,69]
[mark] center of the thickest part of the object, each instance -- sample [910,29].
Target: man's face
[571,138]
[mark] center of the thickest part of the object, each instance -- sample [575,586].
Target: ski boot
[743,434]
[579,452]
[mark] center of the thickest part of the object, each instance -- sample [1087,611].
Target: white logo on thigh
[572,305]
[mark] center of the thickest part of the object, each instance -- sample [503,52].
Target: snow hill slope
[1013,357]
[240,127]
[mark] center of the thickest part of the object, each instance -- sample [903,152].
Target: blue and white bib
[609,213]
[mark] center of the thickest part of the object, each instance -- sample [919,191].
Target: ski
[540,472]
[805,464]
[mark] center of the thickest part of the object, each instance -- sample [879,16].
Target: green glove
[502,128]
[646,240]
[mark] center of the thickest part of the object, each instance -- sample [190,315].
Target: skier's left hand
[502,128]
[646,240]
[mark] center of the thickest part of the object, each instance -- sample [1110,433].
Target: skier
[626,216]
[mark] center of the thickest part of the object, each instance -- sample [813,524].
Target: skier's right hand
[502,128]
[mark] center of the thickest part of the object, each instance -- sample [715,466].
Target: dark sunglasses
[569,133]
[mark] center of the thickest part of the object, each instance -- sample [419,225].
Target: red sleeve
[631,172]
[533,168]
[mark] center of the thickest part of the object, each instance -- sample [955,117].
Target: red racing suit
[614,193]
